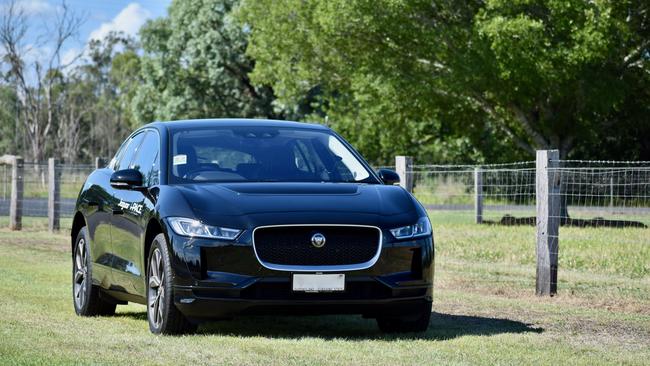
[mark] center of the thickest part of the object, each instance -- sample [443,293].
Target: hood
[236,199]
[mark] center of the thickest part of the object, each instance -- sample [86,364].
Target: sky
[101,17]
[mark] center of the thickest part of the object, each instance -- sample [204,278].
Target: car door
[131,215]
[121,161]
[98,200]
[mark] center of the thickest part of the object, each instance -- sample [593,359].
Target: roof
[234,122]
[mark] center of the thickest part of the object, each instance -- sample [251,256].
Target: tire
[162,314]
[415,321]
[86,297]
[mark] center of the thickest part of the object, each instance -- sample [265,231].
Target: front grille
[292,246]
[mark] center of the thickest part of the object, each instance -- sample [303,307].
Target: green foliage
[124,74]
[507,76]
[443,81]
[194,66]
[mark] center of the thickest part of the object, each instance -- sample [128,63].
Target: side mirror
[389,177]
[126,179]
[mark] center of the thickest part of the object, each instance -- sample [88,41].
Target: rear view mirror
[388,176]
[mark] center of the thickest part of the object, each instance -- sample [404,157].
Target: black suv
[208,219]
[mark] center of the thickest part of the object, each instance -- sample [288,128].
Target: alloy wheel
[80,274]
[156,288]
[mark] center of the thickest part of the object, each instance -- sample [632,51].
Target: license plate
[318,282]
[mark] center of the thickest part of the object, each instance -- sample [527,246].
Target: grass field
[484,309]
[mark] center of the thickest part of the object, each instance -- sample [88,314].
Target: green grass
[622,251]
[35,224]
[485,311]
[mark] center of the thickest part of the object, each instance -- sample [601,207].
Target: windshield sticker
[180,159]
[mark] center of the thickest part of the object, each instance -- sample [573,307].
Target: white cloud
[129,21]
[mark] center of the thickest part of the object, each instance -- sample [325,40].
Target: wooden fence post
[99,163]
[404,168]
[54,195]
[547,181]
[16,203]
[478,194]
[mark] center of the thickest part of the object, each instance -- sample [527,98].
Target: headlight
[420,228]
[194,228]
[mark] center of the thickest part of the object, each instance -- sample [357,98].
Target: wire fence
[36,189]
[507,191]
[603,217]
[604,193]
[5,178]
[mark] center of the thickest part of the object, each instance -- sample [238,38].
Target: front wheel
[85,296]
[413,321]
[163,316]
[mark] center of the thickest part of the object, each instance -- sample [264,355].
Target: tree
[112,73]
[74,117]
[531,74]
[39,100]
[194,66]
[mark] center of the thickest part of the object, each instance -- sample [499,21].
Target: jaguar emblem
[318,240]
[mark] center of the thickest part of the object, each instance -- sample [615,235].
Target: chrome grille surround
[320,268]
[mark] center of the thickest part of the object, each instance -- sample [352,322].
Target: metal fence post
[547,182]
[99,163]
[478,194]
[16,203]
[54,195]
[404,168]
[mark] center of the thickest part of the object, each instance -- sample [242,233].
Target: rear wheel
[163,316]
[86,297]
[413,321]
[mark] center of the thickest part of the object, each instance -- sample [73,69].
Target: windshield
[263,154]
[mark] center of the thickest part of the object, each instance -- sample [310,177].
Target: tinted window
[263,154]
[307,160]
[113,163]
[224,158]
[127,153]
[147,159]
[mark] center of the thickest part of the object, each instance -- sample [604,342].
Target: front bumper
[215,279]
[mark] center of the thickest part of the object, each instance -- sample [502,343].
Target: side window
[113,163]
[147,159]
[124,160]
